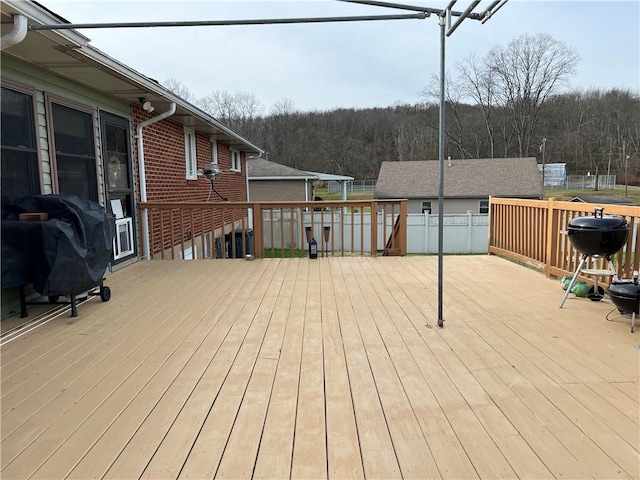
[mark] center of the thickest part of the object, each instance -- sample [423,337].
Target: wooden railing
[535,232]
[238,229]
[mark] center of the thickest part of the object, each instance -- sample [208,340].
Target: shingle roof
[505,177]
[258,168]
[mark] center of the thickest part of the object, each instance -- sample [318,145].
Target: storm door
[118,179]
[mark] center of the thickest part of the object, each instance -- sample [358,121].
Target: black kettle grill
[625,294]
[601,235]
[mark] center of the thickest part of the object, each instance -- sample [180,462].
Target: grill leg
[74,309]
[23,302]
[612,267]
[573,280]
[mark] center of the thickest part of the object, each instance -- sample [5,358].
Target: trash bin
[218,247]
[248,241]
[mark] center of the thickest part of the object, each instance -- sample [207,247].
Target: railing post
[258,240]
[552,237]
[374,228]
[402,232]
[491,228]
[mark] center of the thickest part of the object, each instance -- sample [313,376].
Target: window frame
[214,151]
[32,92]
[235,158]
[50,99]
[429,208]
[482,207]
[190,154]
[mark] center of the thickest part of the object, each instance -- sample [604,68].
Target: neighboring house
[71,123]
[468,184]
[270,181]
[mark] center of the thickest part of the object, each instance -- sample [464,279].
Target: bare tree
[237,110]
[282,113]
[479,83]
[456,131]
[180,89]
[526,72]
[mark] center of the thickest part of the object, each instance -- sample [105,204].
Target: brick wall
[165,170]
[165,164]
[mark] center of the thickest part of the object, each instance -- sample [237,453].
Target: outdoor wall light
[146,105]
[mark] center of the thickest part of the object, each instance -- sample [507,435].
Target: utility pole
[542,147]
[626,169]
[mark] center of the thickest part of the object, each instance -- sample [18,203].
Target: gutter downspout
[143,178]
[16,35]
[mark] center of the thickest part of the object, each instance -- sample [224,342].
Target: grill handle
[597,212]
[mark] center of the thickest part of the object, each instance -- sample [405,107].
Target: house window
[75,151]
[484,206]
[190,154]
[235,160]
[20,173]
[214,151]
[426,207]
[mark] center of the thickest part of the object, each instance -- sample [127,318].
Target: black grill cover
[69,253]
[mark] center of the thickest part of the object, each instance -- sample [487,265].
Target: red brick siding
[165,172]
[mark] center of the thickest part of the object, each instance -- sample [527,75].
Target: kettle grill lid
[598,222]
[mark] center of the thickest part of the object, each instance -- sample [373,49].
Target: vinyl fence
[466,233]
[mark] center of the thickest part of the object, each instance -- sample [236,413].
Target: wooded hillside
[507,104]
[589,131]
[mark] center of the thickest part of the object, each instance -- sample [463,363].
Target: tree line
[510,103]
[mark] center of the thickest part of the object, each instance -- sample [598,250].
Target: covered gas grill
[61,244]
[598,236]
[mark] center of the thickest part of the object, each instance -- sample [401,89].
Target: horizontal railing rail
[535,232]
[181,230]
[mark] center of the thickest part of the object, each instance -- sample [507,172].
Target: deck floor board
[328,368]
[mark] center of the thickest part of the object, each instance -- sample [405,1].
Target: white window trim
[190,156]
[234,152]
[214,151]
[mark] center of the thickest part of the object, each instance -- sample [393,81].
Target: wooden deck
[292,368]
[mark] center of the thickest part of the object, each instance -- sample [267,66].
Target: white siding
[44,82]
[451,205]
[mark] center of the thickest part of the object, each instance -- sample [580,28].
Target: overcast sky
[359,65]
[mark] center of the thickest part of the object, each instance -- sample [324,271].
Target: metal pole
[463,16]
[443,22]
[220,23]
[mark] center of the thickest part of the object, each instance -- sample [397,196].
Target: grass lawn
[287,253]
[633,193]
[325,195]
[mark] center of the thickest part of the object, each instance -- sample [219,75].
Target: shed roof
[611,199]
[463,178]
[262,169]
[331,177]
